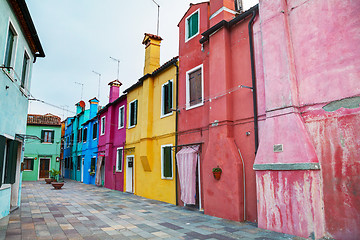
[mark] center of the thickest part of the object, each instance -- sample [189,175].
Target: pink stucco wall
[309,57]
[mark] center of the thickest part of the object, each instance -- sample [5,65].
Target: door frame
[39,165]
[133,173]
[82,169]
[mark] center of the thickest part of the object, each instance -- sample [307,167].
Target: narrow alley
[81,211]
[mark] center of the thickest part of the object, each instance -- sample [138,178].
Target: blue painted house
[19,48]
[90,144]
[68,142]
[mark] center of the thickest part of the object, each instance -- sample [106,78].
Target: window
[25,69]
[10,45]
[166,162]
[28,164]
[66,163]
[95,128]
[79,136]
[194,88]
[8,160]
[119,159]
[93,164]
[71,163]
[192,25]
[78,163]
[71,139]
[47,136]
[133,106]
[103,125]
[121,117]
[166,98]
[85,135]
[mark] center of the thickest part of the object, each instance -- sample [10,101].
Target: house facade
[42,155]
[19,48]
[307,165]
[68,143]
[112,130]
[90,144]
[216,111]
[151,125]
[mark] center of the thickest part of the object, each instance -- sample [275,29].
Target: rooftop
[47,119]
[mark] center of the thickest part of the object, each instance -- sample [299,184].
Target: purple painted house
[112,136]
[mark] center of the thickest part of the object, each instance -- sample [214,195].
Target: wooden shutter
[42,135]
[2,154]
[32,164]
[167,162]
[11,160]
[194,23]
[195,87]
[52,136]
[135,111]
[170,97]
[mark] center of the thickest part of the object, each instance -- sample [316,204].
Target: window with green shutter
[167,98]
[192,25]
[11,161]
[133,113]
[166,161]
[47,136]
[2,158]
[28,164]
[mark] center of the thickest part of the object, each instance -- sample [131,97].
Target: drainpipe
[176,129]
[253,77]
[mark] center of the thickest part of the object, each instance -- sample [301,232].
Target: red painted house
[215,107]
[308,77]
[112,136]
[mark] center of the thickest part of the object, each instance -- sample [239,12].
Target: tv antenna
[82,88]
[118,69]
[99,74]
[158,6]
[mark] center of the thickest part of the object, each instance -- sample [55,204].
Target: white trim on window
[162,162]
[186,26]
[121,117]
[129,107]
[117,159]
[102,127]
[14,50]
[162,115]
[188,107]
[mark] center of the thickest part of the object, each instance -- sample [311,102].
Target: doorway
[44,168]
[129,174]
[82,170]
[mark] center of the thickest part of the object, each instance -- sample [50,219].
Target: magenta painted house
[308,78]
[112,130]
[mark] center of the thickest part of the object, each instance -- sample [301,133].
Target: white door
[82,170]
[129,174]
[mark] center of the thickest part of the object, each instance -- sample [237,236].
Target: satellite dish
[82,104]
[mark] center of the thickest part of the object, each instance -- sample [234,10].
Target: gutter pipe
[176,130]
[253,77]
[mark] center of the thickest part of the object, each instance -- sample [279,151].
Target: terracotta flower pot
[49,180]
[217,175]
[57,185]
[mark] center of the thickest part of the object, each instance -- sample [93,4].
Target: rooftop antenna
[118,62]
[158,6]
[99,83]
[82,89]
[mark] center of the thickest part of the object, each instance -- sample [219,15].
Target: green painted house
[43,154]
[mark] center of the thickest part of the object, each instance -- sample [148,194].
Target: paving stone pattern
[80,211]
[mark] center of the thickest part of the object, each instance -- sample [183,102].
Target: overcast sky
[79,37]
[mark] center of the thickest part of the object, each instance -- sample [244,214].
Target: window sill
[166,115]
[131,126]
[46,143]
[118,171]
[27,170]
[5,186]
[120,127]
[10,76]
[195,106]
[167,178]
[188,39]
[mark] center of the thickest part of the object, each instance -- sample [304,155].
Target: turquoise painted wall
[36,149]
[14,102]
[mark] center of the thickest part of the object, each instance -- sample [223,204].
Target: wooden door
[44,168]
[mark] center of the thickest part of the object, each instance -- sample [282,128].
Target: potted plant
[217,172]
[54,174]
[92,171]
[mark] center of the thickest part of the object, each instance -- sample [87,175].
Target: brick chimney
[221,10]
[93,107]
[152,52]
[114,90]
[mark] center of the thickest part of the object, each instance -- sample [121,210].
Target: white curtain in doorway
[98,171]
[186,162]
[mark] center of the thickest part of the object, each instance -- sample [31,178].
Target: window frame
[78,163]
[188,106]
[162,115]
[26,67]
[187,28]
[79,135]
[12,28]
[32,159]
[102,125]
[84,135]
[52,136]
[96,130]
[135,116]
[121,118]
[117,159]
[162,163]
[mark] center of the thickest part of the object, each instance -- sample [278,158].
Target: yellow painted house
[149,159]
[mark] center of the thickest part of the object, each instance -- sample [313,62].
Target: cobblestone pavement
[80,211]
